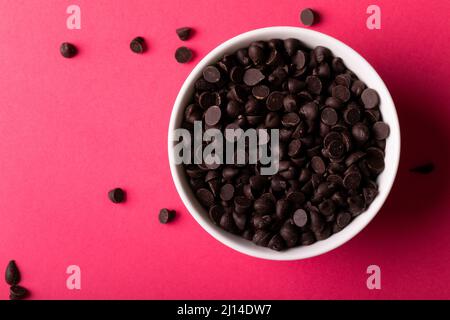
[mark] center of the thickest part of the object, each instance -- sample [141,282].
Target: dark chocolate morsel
[184,33]
[166,215]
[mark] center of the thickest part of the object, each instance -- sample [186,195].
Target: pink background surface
[73,129]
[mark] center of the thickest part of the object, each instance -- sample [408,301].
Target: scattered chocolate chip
[307,17]
[184,33]
[183,55]
[68,50]
[138,45]
[18,292]
[12,274]
[166,215]
[117,195]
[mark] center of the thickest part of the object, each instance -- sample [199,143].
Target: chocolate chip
[263,206]
[237,74]
[342,80]
[242,204]
[275,101]
[18,292]
[352,180]
[360,132]
[299,59]
[316,221]
[215,213]
[310,110]
[238,93]
[184,33]
[227,63]
[12,273]
[355,205]
[323,234]
[211,74]
[336,149]
[341,92]
[289,234]
[358,87]
[375,160]
[338,65]
[227,222]
[307,238]
[318,165]
[352,115]
[240,220]
[296,199]
[262,221]
[354,157]
[253,76]
[327,207]
[282,208]
[242,57]
[256,54]
[205,196]
[138,45]
[300,218]
[261,92]
[117,195]
[166,215]
[370,98]
[183,55]
[295,85]
[227,192]
[329,116]
[307,17]
[290,120]
[380,130]
[292,45]
[314,85]
[321,54]
[426,168]
[343,219]
[369,195]
[323,71]
[261,238]
[213,115]
[272,120]
[68,50]
[276,243]
[294,148]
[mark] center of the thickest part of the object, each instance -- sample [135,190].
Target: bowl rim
[233,241]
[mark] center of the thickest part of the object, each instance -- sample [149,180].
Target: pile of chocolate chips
[332,141]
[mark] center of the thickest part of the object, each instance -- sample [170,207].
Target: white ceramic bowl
[354,62]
